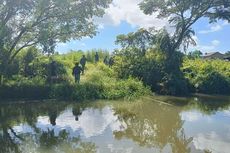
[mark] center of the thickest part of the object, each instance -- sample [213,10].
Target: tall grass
[99,82]
[208,76]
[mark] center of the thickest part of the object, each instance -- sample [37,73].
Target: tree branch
[18,50]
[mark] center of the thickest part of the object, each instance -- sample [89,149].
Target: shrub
[208,76]
[99,82]
[17,92]
[155,70]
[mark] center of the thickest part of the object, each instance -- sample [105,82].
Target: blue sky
[104,39]
[122,19]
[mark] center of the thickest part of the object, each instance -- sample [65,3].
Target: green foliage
[141,39]
[175,85]
[90,55]
[182,14]
[158,68]
[99,82]
[114,88]
[30,55]
[195,54]
[24,91]
[208,76]
[81,92]
[44,23]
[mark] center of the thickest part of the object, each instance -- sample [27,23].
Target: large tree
[182,14]
[26,23]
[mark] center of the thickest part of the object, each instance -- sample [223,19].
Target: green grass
[99,82]
[208,76]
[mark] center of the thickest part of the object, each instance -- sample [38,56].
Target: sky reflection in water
[120,127]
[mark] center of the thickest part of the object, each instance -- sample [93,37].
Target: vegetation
[149,56]
[44,23]
[208,76]
[136,118]
[34,79]
[164,75]
[157,66]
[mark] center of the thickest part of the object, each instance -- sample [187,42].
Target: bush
[208,76]
[51,77]
[76,92]
[99,82]
[155,70]
[214,83]
[175,85]
[29,92]
[112,87]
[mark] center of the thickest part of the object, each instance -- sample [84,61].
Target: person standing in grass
[111,61]
[77,72]
[83,62]
[106,62]
[96,57]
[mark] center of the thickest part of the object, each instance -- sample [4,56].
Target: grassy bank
[208,76]
[99,82]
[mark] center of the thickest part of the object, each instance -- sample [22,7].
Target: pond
[199,124]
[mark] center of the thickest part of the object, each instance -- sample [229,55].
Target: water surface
[199,124]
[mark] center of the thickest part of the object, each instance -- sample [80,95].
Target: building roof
[211,53]
[227,57]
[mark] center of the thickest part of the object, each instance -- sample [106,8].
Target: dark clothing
[83,62]
[77,73]
[52,72]
[111,61]
[53,69]
[106,62]
[96,58]
[77,70]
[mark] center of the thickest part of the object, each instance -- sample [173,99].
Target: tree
[195,54]
[157,65]
[141,39]
[27,23]
[31,54]
[182,14]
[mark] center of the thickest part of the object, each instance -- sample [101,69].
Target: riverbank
[99,82]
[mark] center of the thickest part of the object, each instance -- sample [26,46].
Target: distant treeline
[132,75]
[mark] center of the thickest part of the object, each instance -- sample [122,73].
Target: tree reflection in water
[148,127]
[148,124]
[37,140]
[157,123]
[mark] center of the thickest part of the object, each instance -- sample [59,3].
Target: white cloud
[215,27]
[211,142]
[94,122]
[226,23]
[191,116]
[215,42]
[129,11]
[101,26]
[82,44]
[212,46]
[62,44]
[91,122]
